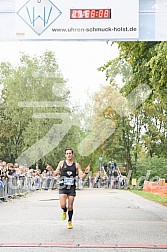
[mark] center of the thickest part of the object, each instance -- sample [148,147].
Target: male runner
[68,169]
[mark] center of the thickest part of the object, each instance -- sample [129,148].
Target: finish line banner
[77,19]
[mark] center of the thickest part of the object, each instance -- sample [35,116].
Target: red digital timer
[90,13]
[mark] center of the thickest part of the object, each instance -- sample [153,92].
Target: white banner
[77,19]
[160,20]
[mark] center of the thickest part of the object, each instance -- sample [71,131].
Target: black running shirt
[67,175]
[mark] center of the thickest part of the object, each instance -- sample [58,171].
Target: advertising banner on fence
[77,19]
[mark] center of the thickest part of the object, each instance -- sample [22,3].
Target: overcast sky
[77,60]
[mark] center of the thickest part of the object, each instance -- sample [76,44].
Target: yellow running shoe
[63,217]
[70,225]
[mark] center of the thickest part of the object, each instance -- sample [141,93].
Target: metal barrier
[13,187]
[3,189]
[20,186]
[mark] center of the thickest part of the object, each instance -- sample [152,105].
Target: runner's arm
[81,173]
[58,169]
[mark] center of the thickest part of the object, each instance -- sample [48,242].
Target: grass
[151,196]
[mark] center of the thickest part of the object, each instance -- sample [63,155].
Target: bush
[151,167]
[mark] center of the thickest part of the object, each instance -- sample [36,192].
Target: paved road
[103,220]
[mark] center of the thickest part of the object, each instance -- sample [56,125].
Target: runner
[68,169]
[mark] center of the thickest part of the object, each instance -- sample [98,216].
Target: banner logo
[39,14]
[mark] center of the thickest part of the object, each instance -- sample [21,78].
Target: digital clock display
[90,13]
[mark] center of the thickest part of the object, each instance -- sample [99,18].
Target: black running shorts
[70,192]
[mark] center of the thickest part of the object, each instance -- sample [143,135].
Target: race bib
[68,181]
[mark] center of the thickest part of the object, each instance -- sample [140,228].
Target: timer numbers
[90,13]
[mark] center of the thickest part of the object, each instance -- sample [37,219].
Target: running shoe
[63,217]
[70,225]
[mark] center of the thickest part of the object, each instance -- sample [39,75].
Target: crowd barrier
[20,186]
[155,187]
[13,187]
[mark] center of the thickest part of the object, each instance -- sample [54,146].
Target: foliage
[140,135]
[143,133]
[152,167]
[37,80]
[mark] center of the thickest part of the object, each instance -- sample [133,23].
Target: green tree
[143,63]
[36,81]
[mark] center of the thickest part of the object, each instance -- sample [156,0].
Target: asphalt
[103,220]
